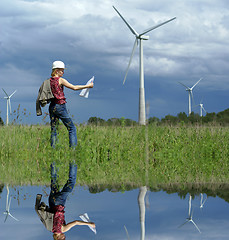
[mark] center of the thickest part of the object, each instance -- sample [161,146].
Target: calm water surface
[117,215]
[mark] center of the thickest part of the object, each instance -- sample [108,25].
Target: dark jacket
[44,96]
[44,213]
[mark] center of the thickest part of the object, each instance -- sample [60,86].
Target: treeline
[221,118]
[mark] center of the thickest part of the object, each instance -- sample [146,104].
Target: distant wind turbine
[139,38]
[8,105]
[190,213]
[8,201]
[202,109]
[190,95]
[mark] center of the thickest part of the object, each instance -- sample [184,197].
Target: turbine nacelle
[143,37]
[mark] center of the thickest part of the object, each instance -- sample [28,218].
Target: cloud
[92,39]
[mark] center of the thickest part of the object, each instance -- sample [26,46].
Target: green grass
[122,156]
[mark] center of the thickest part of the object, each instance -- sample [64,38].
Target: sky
[92,40]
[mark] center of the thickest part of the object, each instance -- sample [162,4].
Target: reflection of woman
[57,201]
[57,108]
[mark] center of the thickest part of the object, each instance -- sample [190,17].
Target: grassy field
[133,156]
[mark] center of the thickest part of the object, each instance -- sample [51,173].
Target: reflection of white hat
[58,64]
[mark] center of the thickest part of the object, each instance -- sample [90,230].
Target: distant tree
[194,117]
[182,117]
[153,120]
[96,121]
[114,122]
[209,117]
[130,122]
[223,117]
[1,122]
[169,119]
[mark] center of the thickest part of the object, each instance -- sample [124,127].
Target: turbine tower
[139,38]
[190,95]
[8,105]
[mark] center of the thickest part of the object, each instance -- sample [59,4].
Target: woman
[57,108]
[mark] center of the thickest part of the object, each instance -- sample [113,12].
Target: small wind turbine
[190,213]
[190,95]
[8,105]
[8,201]
[139,38]
[202,109]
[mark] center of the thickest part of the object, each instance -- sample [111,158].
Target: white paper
[85,218]
[85,92]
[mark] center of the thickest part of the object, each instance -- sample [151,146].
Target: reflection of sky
[111,211]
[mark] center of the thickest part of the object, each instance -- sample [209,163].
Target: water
[117,215]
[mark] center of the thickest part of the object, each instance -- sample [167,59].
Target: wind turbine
[8,105]
[139,38]
[8,201]
[190,95]
[190,213]
[202,109]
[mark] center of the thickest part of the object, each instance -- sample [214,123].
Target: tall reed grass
[140,155]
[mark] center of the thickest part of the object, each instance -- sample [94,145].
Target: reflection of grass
[108,155]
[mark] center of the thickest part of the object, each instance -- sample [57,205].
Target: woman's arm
[65,83]
[68,226]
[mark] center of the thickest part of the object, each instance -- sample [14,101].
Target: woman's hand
[90,85]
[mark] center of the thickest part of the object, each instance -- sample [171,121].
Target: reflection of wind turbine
[190,213]
[8,105]
[8,201]
[201,200]
[139,38]
[141,203]
[190,95]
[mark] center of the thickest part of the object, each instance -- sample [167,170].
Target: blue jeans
[56,112]
[57,197]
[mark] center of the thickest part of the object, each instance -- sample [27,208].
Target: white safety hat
[58,64]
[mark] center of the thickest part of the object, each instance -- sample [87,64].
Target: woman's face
[60,72]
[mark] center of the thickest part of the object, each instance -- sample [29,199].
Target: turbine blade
[184,85]
[127,234]
[5,92]
[152,28]
[132,54]
[13,217]
[12,94]
[183,223]
[9,105]
[6,217]
[192,96]
[195,225]
[196,83]
[128,25]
